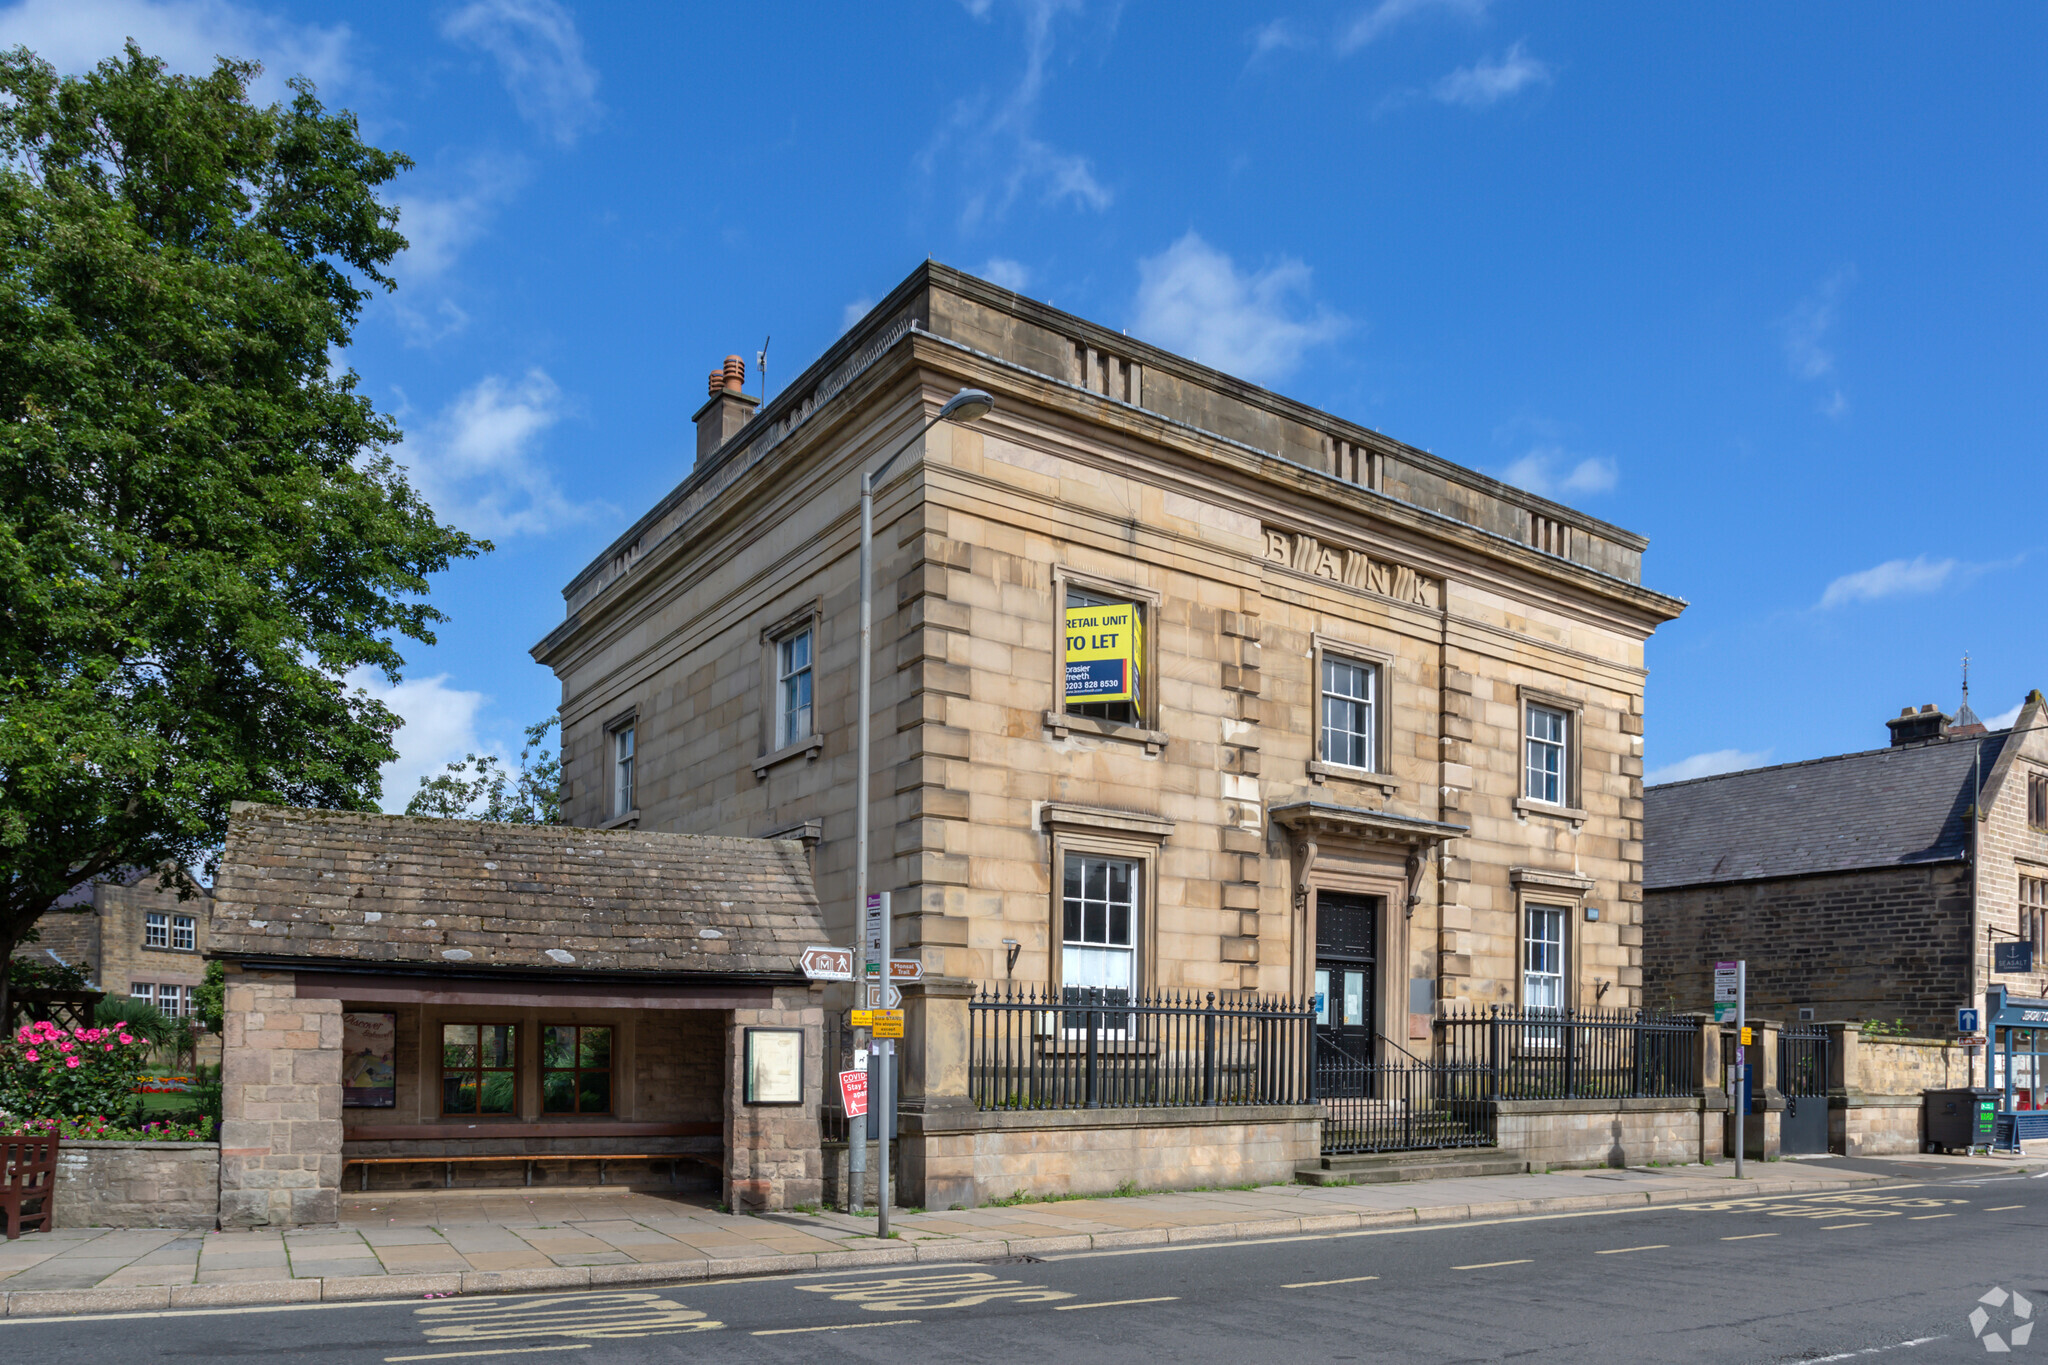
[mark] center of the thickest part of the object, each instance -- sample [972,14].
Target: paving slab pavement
[404,1244]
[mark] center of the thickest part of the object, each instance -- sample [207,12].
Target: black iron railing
[1538,1054]
[1803,1060]
[1082,1048]
[1392,1100]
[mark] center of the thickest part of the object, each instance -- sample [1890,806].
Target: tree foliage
[200,534]
[484,789]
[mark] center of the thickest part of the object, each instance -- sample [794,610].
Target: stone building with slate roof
[430,1001]
[1861,886]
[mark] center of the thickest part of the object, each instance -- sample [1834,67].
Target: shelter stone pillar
[280,1131]
[772,1152]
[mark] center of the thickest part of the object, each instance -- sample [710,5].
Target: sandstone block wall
[1579,1133]
[280,1136]
[1885,944]
[773,1155]
[138,1185]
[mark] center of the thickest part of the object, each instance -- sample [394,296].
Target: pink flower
[33,1055]
[126,1039]
[64,1047]
[71,1062]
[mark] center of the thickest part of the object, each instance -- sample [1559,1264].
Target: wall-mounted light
[1010,965]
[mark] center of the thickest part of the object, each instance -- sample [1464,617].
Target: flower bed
[50,1072]
[92,1128]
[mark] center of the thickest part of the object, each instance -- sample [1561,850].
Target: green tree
[200,533]
[484,789]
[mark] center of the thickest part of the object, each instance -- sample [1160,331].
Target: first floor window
[1545,737]
[622,771]
[156,930]
[1105,657]
[576,1069]
[793,689]
[1098,935]
[1543,958]
[2037,801]
[479,1068]
[184,932]
[1350,702]
[2034,916]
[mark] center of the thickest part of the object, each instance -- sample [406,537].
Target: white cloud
[2004,720]
[1549,472]
[438,224]
[539,55]
[994,150]
[189,35]
[1487,82]
[1276,35]
[1011,275]
[1388,14]
[1193,299]
[439,729]
[1707,765]
[1893,578]
[855,311]
[477,462]
[1804,333]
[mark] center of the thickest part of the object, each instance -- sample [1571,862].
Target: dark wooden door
[1347,960]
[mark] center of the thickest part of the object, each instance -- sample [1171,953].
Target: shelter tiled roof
[1879,808]
[469,894]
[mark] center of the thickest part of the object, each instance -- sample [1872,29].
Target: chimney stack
[727,410]
[1925,726]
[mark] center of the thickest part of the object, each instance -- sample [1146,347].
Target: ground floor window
[479,1069]
[1098,948]
[1543,958]
[576,1069]
[175,1001]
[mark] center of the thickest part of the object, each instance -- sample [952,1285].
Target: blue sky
[1762,282]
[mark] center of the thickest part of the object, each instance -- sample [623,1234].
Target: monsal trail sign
[1105,647]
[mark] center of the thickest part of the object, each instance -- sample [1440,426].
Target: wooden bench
[714,1160]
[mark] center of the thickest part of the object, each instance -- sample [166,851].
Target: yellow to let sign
[1746,1039]
[886,1023]
[1105,651]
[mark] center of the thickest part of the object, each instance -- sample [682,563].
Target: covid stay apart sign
[1104,648]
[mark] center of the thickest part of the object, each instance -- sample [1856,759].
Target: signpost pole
[1741,1062]
[884,1108]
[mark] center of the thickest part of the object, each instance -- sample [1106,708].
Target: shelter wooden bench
[714,1160]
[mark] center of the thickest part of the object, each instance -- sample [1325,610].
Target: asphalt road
[1889,1274]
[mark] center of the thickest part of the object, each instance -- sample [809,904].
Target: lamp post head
[968,405]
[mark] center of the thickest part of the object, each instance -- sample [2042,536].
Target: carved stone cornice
[1312,822]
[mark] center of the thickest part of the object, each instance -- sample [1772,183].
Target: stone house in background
[1380,737]
[1870,885]
[140,938]
[455,1001]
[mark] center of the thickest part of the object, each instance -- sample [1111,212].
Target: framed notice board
[774,1066]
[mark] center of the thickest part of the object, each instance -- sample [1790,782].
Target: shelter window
[479,1069]
[576,1069]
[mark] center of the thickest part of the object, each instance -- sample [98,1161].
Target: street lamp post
[968,405]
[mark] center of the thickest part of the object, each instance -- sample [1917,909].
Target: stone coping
[966,1120]
[28,1303]
[1666,1104]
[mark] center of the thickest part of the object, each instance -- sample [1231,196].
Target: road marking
[1837,1227]
[1488,1265]
[1923,1217]
[1114,1303]
[835,1327]
[2002,1208]
[1875,1350]
[505,1351]
[605,1314]
[908,1293]
[1317,1284]
[1623,1251]
[1749,1236]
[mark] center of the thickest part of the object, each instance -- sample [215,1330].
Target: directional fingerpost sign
[883,997]
[828,964]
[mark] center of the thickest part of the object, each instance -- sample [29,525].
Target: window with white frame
[171,1000]
[184,933]
[1099,913]
[2034,916]
[792,689]
[1543,957]
[145,991]
[1546,740]
[1350,713]
[156,930]
[622,770]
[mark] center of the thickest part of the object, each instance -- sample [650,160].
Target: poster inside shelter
[369,1060]
[1103,653]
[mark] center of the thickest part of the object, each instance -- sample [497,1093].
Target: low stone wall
[1907,1066]
[138,1184]
[1875,1125]
[969,1158]
[1579,1133]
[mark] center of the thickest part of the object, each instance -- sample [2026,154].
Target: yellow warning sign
[886,1023]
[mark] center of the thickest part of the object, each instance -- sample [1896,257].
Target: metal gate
[1803,1081]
